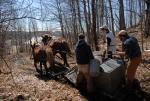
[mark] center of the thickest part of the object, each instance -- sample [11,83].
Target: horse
[58,45]
[61,46]
[42,54]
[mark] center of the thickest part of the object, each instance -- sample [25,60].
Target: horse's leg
[46,69]
[64,56]
[51,61]
[41,72]
[31,55]
[35,65]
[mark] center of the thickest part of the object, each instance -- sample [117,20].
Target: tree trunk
[89,23]
[79,15]
[60,17]
[101,12]
[94,25]
[112,18]
[121,18]
[147,22]
[86,22]
[131,14]
[97,16]
[75,28]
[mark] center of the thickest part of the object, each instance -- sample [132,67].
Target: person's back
[83,53]
[46,38]
[131,47]
[112,37]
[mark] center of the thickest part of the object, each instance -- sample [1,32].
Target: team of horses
[45,53]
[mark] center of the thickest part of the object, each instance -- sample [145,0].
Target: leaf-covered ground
[25,84]
[28,86]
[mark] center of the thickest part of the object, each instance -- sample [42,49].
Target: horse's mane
[60,44]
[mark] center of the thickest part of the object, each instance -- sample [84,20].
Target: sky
[36,12]
[53,24]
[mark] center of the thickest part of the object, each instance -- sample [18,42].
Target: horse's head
[34,44]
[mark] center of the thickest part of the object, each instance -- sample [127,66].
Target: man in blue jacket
[132,50]
[83,56]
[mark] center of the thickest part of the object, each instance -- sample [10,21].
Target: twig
[145,65]
[145,80]
[9,69]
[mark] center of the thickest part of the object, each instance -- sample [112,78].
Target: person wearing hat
[46,38]
[83,56]
[110,39]
[132,50]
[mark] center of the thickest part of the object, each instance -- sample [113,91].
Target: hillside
[24,83]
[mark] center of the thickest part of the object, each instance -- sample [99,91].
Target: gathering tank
[112,76]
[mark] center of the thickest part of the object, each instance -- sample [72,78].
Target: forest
[21,21]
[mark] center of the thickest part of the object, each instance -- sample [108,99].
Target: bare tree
[5,14]
[112,18]
[94,25]
[121,14]
[131,13]
[147,22]
[58,3]
[86,21]
[79,16]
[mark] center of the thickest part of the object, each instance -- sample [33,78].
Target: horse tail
[50,56]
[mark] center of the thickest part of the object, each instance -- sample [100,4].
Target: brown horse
[58,45]
[42,55]
[61,46]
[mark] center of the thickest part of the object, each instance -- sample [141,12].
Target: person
[46,38]
[83,56]
[131,49]
[110,39]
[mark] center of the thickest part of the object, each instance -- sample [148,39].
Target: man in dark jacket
[132,50]
[83,56]
[46,38]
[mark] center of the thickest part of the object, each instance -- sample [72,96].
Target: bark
[112,18]
[60,17]
[86,21]
[147,22]
[131,14]
[121,13]
[94,25]
[79,16]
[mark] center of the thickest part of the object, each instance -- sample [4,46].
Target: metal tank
[111,76]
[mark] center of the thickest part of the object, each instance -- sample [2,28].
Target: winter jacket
[131,47]
[111,44]
[110,39]
[83,53]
